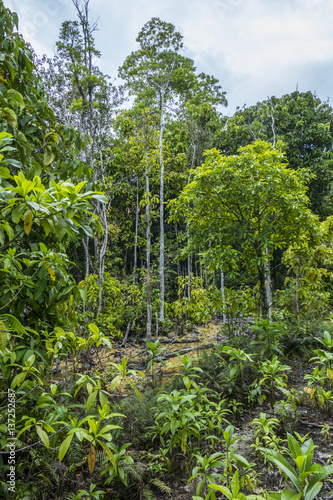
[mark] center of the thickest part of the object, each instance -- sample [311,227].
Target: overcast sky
[256,48]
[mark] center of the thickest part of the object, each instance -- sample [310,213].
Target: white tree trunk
[136,230]
[104,244]
[149,306]
[223,297]
[268,285]
[85,241]
[161,265]
[189,268]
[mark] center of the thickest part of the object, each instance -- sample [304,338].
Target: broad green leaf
[17,212]
[10,116]
[93,328]
[313,491]
[18,379]
[43,436]
[91,400]
[294,446]
[5,172]
[48,156]
[115,382]
[3,336]
[64,446]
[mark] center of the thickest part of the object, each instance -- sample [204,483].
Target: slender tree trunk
[127,333]
[273,124]
[103,248]
[85,242]
[296,294]
[215,311]
[125,261]
[185,298]
[262,286]
[178,263]
[136,230]
[268,286]
[161,266]
[156,331]
[148,237]
[223,297]
[189,268]
[189,257]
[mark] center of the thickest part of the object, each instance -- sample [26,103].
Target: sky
[255,48]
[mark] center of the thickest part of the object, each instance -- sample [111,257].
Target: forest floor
[307,420]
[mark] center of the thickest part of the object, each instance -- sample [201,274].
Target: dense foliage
[118,225]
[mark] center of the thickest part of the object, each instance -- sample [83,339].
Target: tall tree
[139,127]
[159,74]
[246,205]
[83,96]
[41,211]
[305,124]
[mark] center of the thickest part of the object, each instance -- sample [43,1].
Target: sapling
[153,351]
[305,476]
[272,377]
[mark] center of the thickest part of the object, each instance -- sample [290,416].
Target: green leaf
[109,454]
[103,399]
[64,446]
[3,336]
[10,116]
[115,382]
[14,323]
[283,464]
[93,328]
[17,212]
[234,485]
[43,436]
[16,97]
[313,492]
[83,294]
[294,446]
[18,379]
[135,389]
[91,400]
[40,287]
[5,172]
[48,156]
[300,462]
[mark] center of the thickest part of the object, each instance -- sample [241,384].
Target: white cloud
[255,47]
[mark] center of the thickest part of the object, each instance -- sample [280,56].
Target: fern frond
[164,488]
[100,455]
[45,480]
[70,496]
[148,494]
[135,474]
